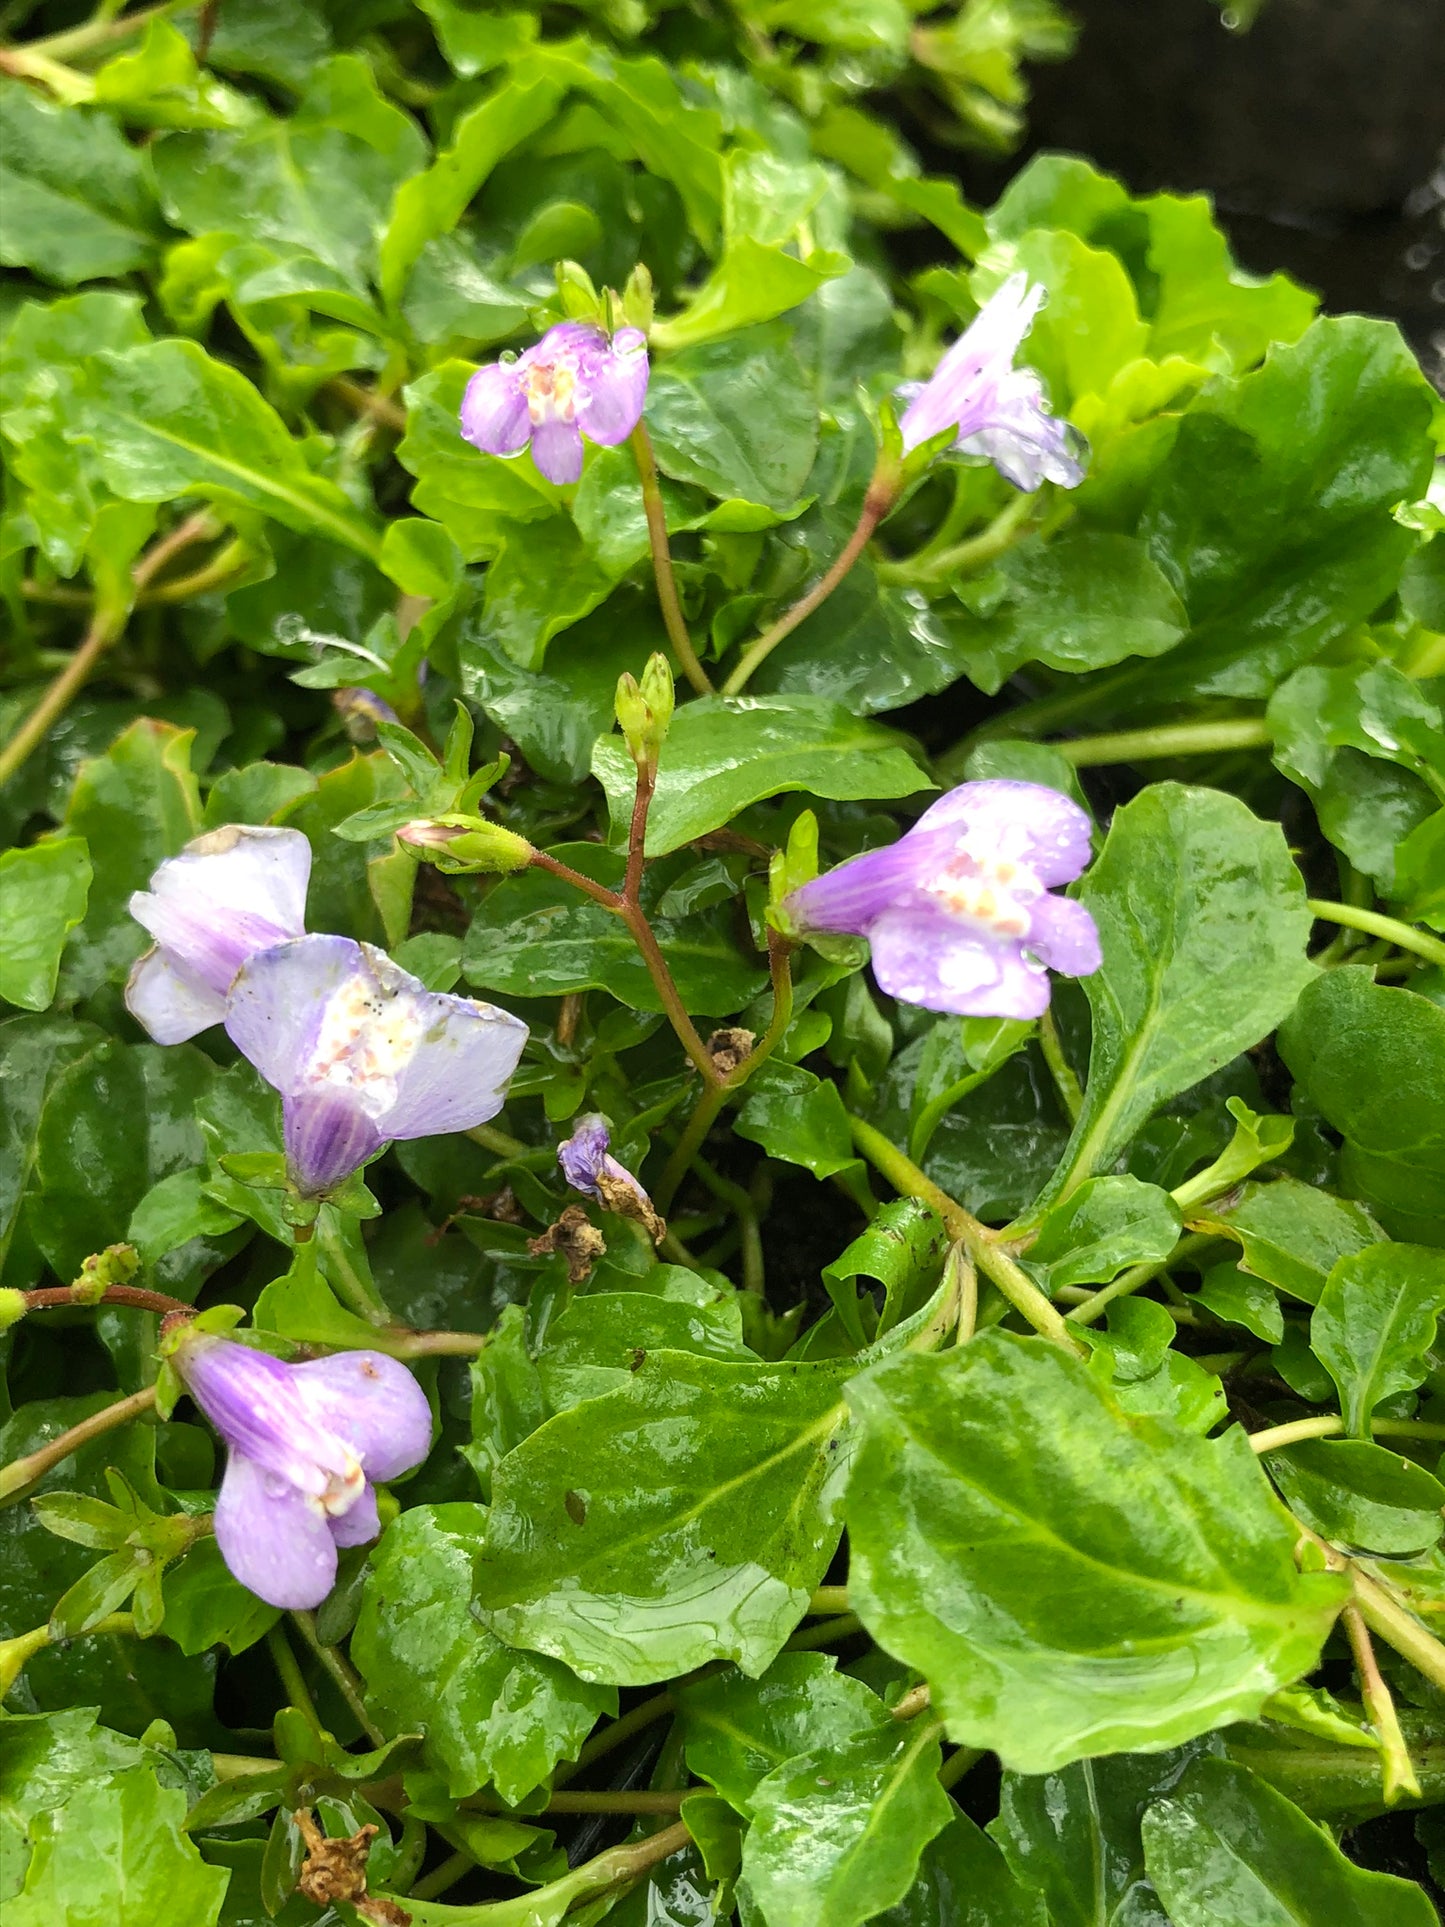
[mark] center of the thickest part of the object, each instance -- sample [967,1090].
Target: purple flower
[226,896]
[998,410]
[362,1053]
[959,911]
[305,1443]
[590,1168]
[576,381]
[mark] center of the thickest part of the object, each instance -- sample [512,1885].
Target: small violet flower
[998,410]
[959,912]
[227,895]
[576,381]
[363,1053]
[590,1168]
[305,1443]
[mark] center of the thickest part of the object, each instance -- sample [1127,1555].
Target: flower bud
[116,1265]
[13,1307]
[466,845]
[644,710]
[637,302]
[577,294]
[790,869]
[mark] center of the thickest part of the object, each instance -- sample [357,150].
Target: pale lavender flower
[998,410]
[589,1167]
[363,1053]
[226,896]
[576,381]
[959,912]
[304,1442]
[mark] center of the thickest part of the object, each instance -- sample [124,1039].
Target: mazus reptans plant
[577,381]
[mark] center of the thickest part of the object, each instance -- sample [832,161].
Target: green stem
[1399,1629]
[441,1878]
[345,1279]
[1398,1768]
[673,619]
[937,565]
[825,1632]
[875,507]
[16,1652]
[1403,935]
[501,1142]
[828,1599]
[342,1676]
[959,1762]
[22,1473]
[1014,1283]
[292,1683]
[1135,1279]
[1275,1437]
[408,1344]
[1169,739]
[621,1730]
[746,1213]
[101,32]
[1060,1069]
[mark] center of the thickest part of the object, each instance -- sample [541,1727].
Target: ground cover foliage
[1009,1493]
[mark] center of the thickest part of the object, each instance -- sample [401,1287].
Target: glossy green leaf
[986,1475]
[206,1607]
[737,1731]
[1375,1323]
[1291,1233]
[725,753]
[601,1339]
[116,1855]
[1372,1060]
[964,1881]
[1202,919]
[490,1713]
[1103,1227]
[1225,1850]
[799,1117]
[35,1052]
[1360,1495]
[539,936]
[683,1518]
[837,1831]
[736,418]
[43,892]
[1226,1291]
[76,200]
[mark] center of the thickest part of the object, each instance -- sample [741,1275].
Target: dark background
[1320,132]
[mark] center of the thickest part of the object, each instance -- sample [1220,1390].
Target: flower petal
[374,1404]
[227,895]
[253,1402]
[1064,936]
[613,388]
[459,1073]
[923,956]
[328,1136]
[557,451]
[494,410]
[278,1001]
[582,1155]
[360,1524]
[964,379]
[846,900]
[274,1539]
[1027,822]
[168,1000]
[1026,444]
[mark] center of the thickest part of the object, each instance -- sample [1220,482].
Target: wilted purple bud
[360,711]
[227,895]
[576,381]
[959,912]
[589,1167]
[998,410]
[305,1443]
[362,1053]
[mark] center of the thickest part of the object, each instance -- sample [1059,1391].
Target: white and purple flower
[363,1053]
[998,410]
[228,895]
[589,1167]
[305,1444]
[959,912]
[576,381]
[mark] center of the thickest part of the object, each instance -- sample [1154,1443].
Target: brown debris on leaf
[333,1870]
[629,1200]
[577,1238]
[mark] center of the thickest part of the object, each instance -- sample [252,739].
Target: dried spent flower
[589,1167]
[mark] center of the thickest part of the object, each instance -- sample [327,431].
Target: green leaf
[1290,1233]
[1103,1227]
[1359,1495]
[1225,1850]
[799,1117]
[1074,1836]
[737,1731]
[117,1855]
[43,892]
[166,420]
[160,85]
[683,1518]
[340,896]
[710,427]
[1272,512]
[489,1712]
[1085,601]
[1375,1324]
[1240,1300]
[902,1248]
[990,1478]
[725,753]
[76,199]
[597,1343]
[1202,920]
[542,580]
[35,1052]
[206,1607]
[837,1832]
[539,936]
[964,1881]
[1373,1061]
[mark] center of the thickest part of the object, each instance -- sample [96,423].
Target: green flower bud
[462,845]
[644,710]
[791,868]
[13,1307]
[577,294]
[116,1265]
